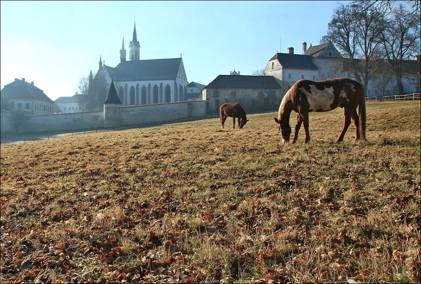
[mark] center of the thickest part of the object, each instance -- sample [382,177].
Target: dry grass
[191,202]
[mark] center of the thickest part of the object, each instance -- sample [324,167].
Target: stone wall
[7,125]
[65,122]
[158,113]
[252,100]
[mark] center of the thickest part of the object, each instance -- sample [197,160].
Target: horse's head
[284,129]
[243,122]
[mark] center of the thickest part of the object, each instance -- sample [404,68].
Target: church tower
[134,46]
[122,53]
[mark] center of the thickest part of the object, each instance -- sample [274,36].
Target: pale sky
[54,44]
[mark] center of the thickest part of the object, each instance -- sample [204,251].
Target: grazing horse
[306,96]
[232,110]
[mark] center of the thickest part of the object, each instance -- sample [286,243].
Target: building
[21,95]
[254,93]
[140,81]
[75,103]
[291,67]
[194,91]
[324,61]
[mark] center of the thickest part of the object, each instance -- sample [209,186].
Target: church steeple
[122,53]
[100,63]
[134,46]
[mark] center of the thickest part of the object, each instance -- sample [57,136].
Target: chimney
[290,50]
[304,47]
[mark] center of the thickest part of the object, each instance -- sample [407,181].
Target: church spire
[134,46]
[134,33]
[122,52]
[100,63]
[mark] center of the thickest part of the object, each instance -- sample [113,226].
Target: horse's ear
[276,120]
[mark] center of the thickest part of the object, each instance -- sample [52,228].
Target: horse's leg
[347,122]
[297,128]
[238,120]
[305,119]
[356,123]
[233,122]
[223,118]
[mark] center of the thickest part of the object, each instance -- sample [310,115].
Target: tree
[355,29]
[83,86]
[399,40]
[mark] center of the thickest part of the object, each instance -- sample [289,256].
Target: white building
[291,67]
[71,104]
[323,62]
[194,91]
[141,82]
[24,96]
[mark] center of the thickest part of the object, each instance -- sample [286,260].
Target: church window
[27,106]
[289,76]
[137,94]
[161,99]
[132,96]
[302,76]
[314,77]
[180,94]
[167,93]
[121,93]
[155,94]
[143,96]
[125,95]
[273,65]
[175,92]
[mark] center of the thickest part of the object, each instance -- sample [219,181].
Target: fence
[404,97]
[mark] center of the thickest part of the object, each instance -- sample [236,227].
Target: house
[75,103]
[254,93]
[194,91]
[324,62]
[290,67]
[24,96]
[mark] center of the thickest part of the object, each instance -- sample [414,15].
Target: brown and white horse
[306,96]
[232,110]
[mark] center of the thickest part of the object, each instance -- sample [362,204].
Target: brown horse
[232,110]
[306,96]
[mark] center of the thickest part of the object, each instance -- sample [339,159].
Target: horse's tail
[362,113]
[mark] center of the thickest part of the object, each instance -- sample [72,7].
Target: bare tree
[83,86]
[400,40]
[355,29]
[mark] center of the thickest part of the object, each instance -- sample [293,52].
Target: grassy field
[192,202]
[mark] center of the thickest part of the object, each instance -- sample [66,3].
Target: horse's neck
[285,112]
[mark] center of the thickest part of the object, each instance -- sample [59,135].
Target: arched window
[121,93]
[161,94]
[175,92]
[149,94]
[180,94]
[167,93]
[125,95]
[144,94]
[155,94]
[273,65]
[132,96]
[137,94]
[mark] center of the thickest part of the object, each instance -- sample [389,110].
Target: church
[139,81]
